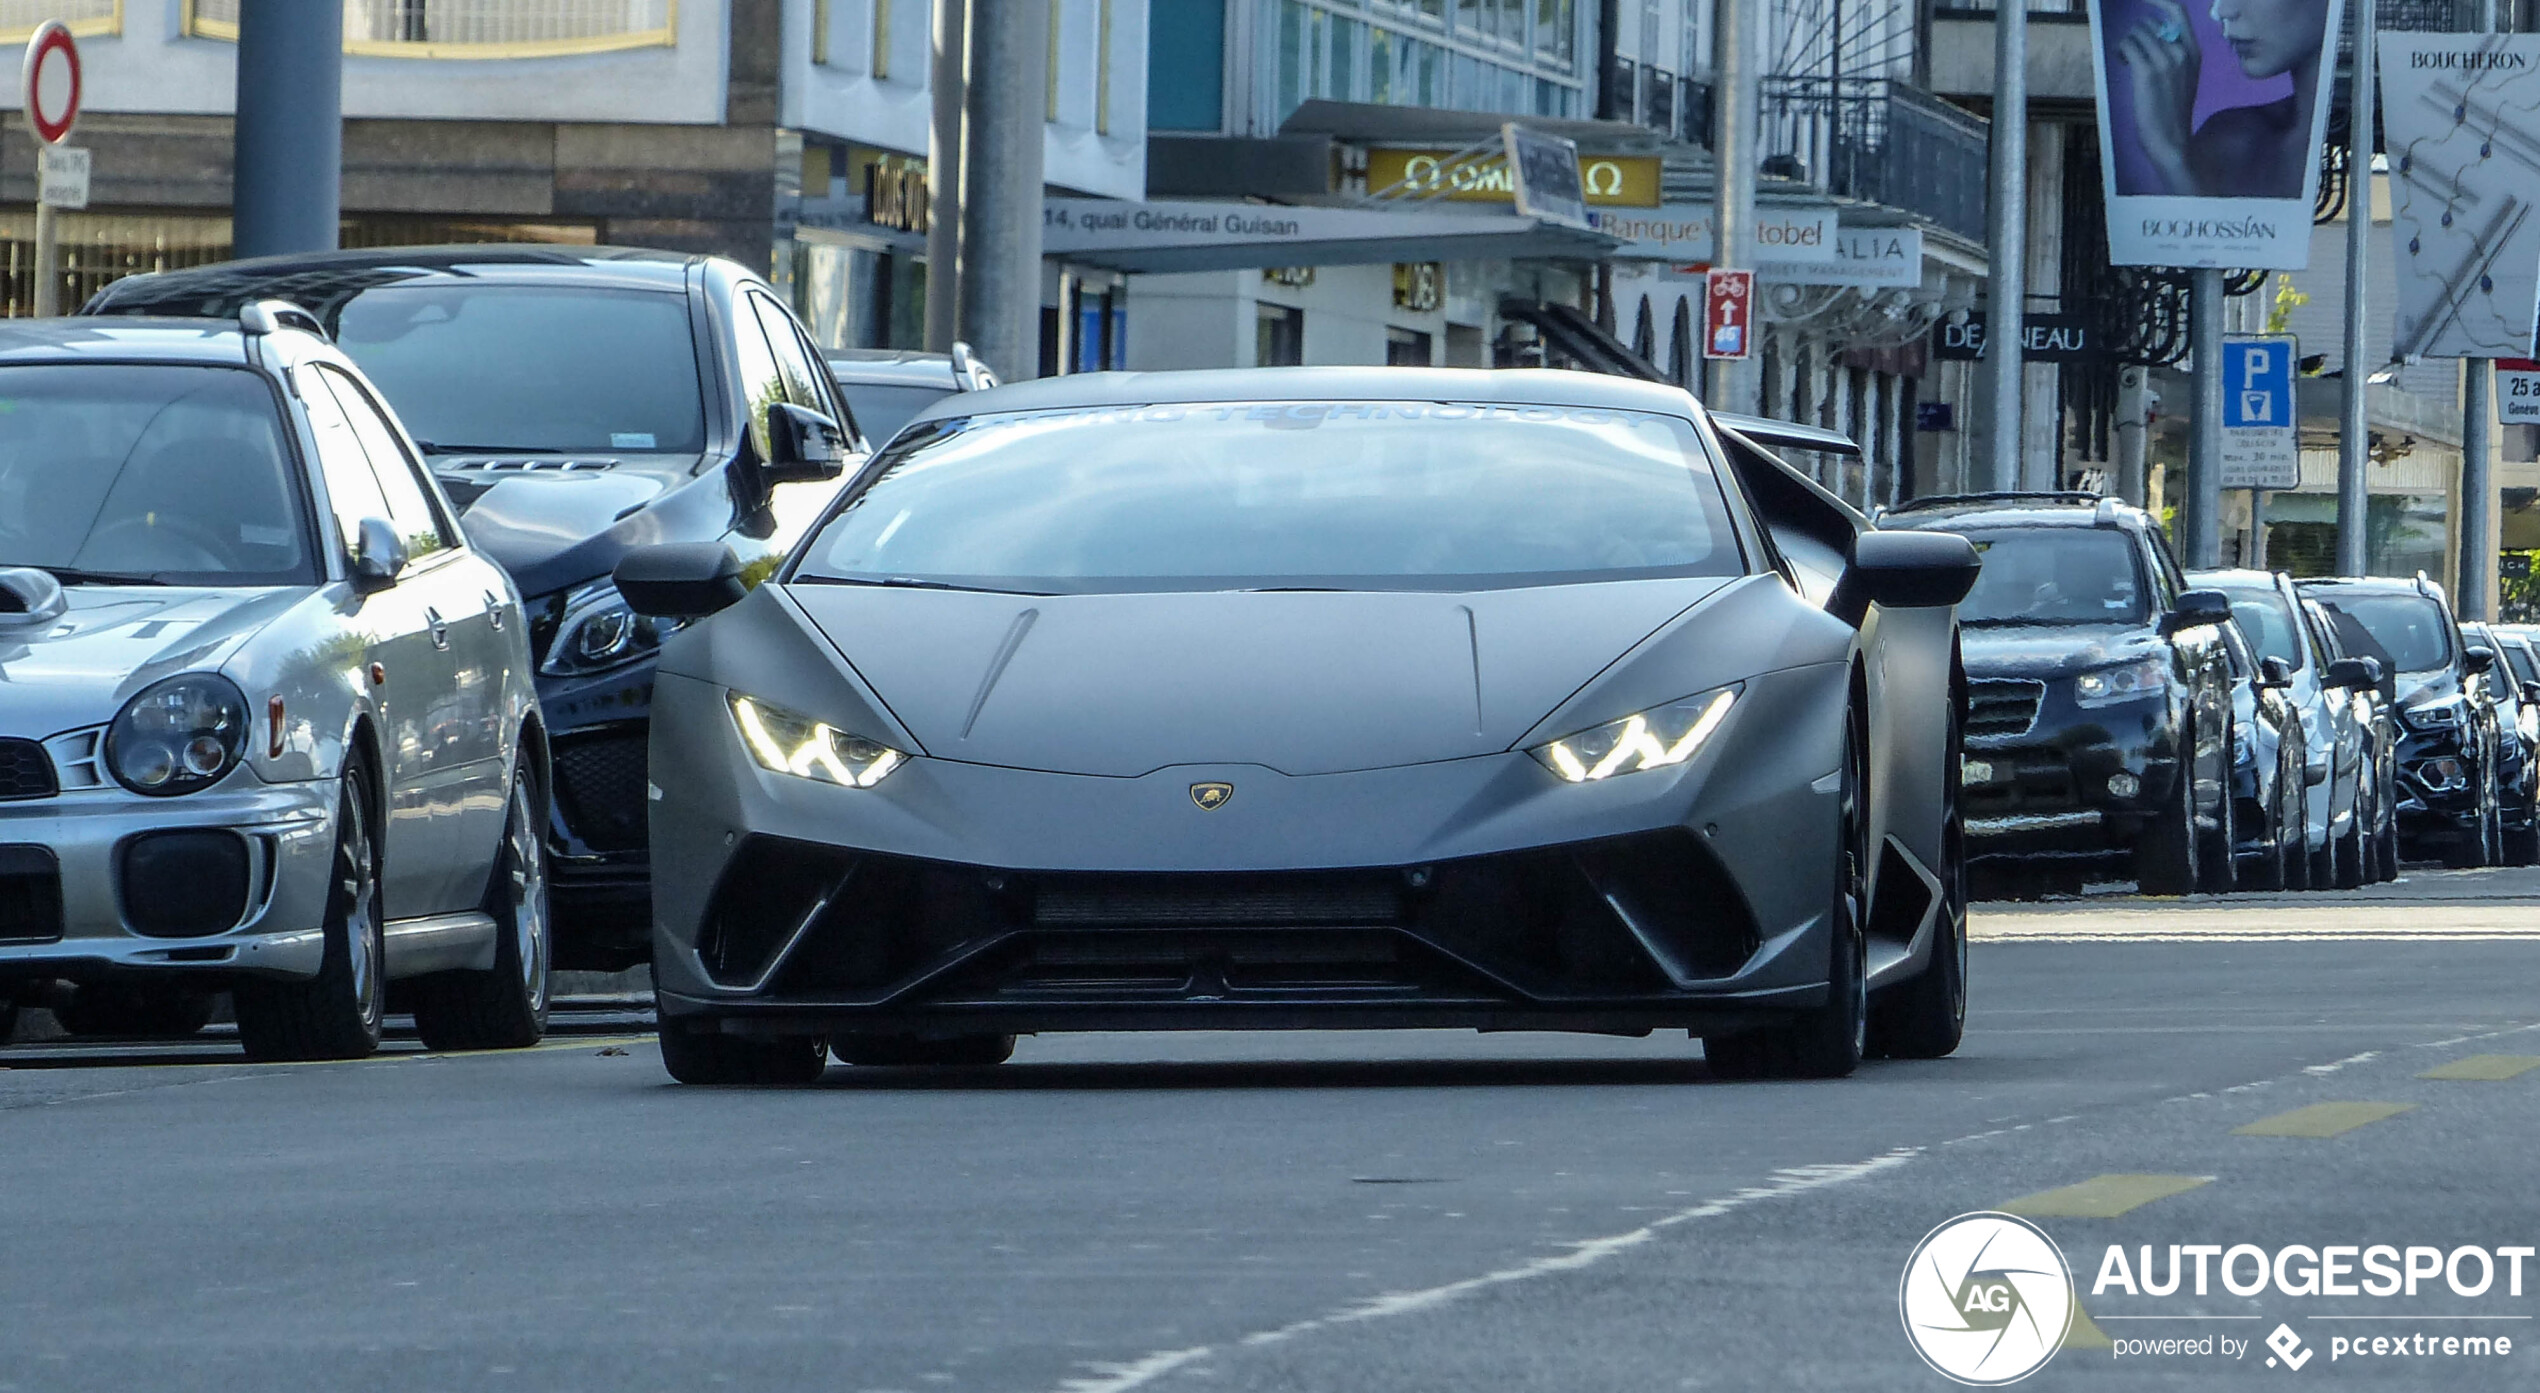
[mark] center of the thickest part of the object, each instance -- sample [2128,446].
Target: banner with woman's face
[2211,114]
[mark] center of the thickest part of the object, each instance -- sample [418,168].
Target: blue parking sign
[2257,383]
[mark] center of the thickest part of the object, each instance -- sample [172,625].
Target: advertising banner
[2457,114]
[2211,118]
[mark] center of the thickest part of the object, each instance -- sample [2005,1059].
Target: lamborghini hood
[1300,682]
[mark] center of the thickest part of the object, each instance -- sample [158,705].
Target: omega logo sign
[1609,180]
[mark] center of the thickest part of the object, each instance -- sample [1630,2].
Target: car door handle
[440,628]
[494,609]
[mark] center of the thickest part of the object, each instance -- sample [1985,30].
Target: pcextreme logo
[1986,1299]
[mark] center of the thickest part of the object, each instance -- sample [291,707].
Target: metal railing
[1881,140]
[476,28]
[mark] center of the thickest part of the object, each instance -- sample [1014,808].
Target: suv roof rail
[1950,500]
[267,316]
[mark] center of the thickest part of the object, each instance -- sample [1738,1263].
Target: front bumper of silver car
[230,880]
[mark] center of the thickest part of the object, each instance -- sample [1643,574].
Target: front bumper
[600,867]
[1476,893]
[2438,790]
[286,830]
[2053,773]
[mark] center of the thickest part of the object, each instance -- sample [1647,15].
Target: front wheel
[504,1007]
[337,1013]
[1828,1041]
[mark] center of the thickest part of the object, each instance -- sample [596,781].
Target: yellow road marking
[570,1042]
[2486,1068]
[2321,1120]
[2103,1196]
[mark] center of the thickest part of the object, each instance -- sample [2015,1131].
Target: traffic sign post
[51,91]
[1728,314]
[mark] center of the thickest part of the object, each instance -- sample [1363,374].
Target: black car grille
[26,771]
[2003,706]
[2017,786]
[1215,901]
[600,787]
[30,895]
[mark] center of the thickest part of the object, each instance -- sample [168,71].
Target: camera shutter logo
[1986,1299]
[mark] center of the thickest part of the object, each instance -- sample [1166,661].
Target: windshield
[543,368]
[167,474]
[1294,495]
[2409,628]
[881,408]
[2265,621]
[2054,575]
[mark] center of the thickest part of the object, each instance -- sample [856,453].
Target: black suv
[2450,795]
[2099,720]
[576,402]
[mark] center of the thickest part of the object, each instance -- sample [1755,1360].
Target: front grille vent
[1217,901]
[2000,707]
[26,771]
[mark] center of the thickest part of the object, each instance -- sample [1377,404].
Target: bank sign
[1610,181]
[1681,233]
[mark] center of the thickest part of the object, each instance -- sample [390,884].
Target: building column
[2042,433]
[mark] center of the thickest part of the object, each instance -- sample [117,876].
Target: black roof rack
[1951,500]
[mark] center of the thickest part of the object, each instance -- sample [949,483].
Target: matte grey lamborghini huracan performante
[1312,697]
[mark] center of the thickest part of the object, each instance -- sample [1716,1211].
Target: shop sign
[2045,338]
[1865,258]
[1419,286]
[1609,181]
[1680,233]
[895,196]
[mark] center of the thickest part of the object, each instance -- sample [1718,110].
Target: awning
[1205,236]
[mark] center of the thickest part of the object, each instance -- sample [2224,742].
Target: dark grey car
[1298,698]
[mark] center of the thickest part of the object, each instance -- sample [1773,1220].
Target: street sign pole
[51,90]
[2204,456]
[2354,435]
[2006,272]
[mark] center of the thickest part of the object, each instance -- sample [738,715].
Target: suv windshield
[2410,628]
[1285,495]
[2265,621]
[167,474]
[2054,575]
[532,367]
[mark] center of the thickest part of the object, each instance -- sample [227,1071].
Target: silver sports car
[1298,698]
[266,721]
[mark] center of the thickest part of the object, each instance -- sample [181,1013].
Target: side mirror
[2274,672]
[803,445]
[2531,693]
[2197,609]
[2353,672]
[379,556]
[2477,658]
[1913,570]
[680,580]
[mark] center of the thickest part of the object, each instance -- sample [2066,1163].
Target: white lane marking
[1794,1180]
[2186,923]
[2324,1070]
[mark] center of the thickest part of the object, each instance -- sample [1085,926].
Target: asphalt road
[1312,1212]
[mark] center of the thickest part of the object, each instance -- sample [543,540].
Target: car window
[2518,657]
[806,381]
[2167,580]
[2266,621]
[2055,575]
[1285,495]
[352,491]
[761,383]
[163,472]
[2410,630]
[410,508]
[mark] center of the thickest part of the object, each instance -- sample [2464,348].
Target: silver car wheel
[357,884]
[528,870]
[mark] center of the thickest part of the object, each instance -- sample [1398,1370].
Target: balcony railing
[19,18]
[1880,140]
[476,28]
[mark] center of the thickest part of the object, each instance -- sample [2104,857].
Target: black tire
[2353,848]
[956,1052]
[505,1007]
[336,1014]
[1926,1016]
[2385,812]
[2165,855]
[1828,1041]
[708,1057]
[135,1010]
[2218,862]
[8,1020]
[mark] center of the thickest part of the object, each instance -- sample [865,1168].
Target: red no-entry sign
[1728,313]
[52,82]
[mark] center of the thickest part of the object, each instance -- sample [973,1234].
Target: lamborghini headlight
[2124,682]
[789,742]
[1652,739]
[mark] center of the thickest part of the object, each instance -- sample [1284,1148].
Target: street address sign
[52,82]
[2260,449]
[2518,391]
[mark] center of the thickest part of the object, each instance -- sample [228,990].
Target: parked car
[2356,670]
[268,723]
[2269,757]
[2449,800]
[1705,780]
[887,387]
[2099,724]
[575,402]
[2517,754]
[2340,754]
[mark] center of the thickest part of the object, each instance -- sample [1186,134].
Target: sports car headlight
[789,742]
[2124,682]
[601,631]
[178,735]
[1653,739]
